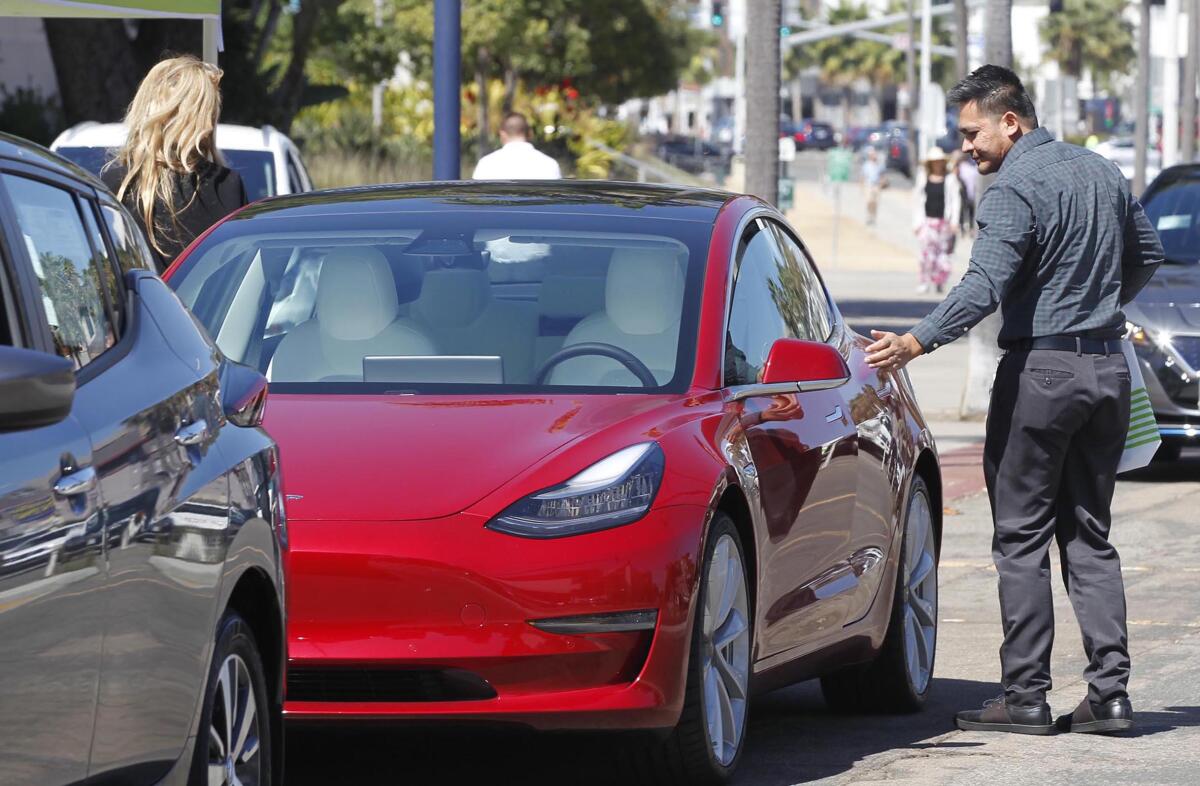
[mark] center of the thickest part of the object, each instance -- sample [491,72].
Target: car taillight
[895,151]
[800,136]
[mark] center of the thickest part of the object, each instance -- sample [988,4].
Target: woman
[967,172]
[170,173]
[936,206]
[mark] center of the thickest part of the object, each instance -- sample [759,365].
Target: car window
[68,274]
[128,241]
[105,266]
[293,169]
[756,319]
[801,295]
[1174,212]
[257,170]
[427,302]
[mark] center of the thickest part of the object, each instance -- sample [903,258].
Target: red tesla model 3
[576,456]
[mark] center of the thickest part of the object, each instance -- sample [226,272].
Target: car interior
[490,307]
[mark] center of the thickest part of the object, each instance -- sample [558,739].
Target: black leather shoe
[996,715]
[1106,718]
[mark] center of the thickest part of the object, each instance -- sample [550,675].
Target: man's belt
[1076,344]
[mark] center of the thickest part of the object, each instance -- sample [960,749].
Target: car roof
[231,137]
[1170,175]
[23,150]
[595,197]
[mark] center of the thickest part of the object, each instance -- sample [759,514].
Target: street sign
[838,165]
[787,149]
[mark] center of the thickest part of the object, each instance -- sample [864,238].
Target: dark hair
[515,124]
[995,90]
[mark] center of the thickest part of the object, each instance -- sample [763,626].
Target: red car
[576,456]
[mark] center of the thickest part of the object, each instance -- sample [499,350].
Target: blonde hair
[172,124]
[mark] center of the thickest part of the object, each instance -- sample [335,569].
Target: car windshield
[256,167]
[458,301]
[1174,210]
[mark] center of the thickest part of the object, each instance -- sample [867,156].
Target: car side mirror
[36,388]
[243,394]
[811,364]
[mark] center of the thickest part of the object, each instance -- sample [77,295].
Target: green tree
[1092,35]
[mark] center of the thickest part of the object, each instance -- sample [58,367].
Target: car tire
[236,672]
[1168,453]
[899,678]
[689,754]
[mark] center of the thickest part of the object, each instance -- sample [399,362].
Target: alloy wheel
[235,732]
[725,650]
[920,594]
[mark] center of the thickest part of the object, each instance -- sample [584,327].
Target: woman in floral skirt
[936,205]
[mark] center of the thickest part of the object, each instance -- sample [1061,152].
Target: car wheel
[898,679]
[234,744]
[705,746]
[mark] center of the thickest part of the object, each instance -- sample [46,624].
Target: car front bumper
[448,596]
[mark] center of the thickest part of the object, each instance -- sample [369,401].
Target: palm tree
[1092,35]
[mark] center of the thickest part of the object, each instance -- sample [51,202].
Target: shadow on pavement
[1169,719]
[794,738]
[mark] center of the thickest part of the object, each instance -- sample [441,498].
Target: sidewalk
[873,279]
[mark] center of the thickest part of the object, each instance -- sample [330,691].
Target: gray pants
[1055,433]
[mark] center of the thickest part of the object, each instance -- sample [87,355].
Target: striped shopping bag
[1142,440]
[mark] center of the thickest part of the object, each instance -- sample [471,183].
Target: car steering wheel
[624,357]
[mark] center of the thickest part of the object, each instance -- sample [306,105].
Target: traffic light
[718,13]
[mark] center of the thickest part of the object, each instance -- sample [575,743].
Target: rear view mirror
[243,394]
[36,388]
[815,366]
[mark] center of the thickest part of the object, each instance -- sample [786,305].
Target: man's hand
[892,351]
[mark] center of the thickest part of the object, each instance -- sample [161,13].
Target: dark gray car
[1165,317]
[141,525]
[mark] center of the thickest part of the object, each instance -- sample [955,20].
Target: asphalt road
[794,739]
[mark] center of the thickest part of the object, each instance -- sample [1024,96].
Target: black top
[935,199]
[201,200]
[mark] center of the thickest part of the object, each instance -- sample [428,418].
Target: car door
[865,402]
[803,448]
[52,573]
[153,418]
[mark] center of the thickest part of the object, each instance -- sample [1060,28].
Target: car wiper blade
[1180,261]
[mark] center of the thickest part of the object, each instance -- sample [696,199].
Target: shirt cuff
[927,335]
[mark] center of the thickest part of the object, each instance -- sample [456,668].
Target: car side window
[294,182]
[755,318]
[802,296]
[132,251]
[69,275]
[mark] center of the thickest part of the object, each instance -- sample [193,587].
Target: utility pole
[763,18]
[1170,136]
[910,76]
[1188,108]
[377,91]
[927,121]
[961,63]
[983,351]
[447,111]
[1141,100]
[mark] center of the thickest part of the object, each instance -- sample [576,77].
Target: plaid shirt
[1062,246]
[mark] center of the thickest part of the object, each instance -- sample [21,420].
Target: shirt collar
[1038,136]
[517,144]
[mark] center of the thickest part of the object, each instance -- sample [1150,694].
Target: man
[872,178]
[517,159]
[1062,246]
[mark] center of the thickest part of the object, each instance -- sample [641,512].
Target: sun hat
[934,153]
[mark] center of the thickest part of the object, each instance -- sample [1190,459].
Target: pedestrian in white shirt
[517,159]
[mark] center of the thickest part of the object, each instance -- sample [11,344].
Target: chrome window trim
[739,392]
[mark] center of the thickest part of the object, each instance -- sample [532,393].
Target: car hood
[393,458]
[1171,301]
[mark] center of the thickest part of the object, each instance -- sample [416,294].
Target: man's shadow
[1169,719]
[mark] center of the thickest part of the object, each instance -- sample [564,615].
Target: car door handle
[192,434]
[78,482]
[834,416]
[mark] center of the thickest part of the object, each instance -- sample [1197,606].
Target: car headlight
[614,491]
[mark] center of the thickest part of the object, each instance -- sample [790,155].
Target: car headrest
[454,297]
[356,294]
[644,291]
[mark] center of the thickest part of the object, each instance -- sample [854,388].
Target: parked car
[141,519]
[1120,150]
[813,135]
[547,464]
[269,163]
[860,136]
[691,154]
[891,140]
[1164,319]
